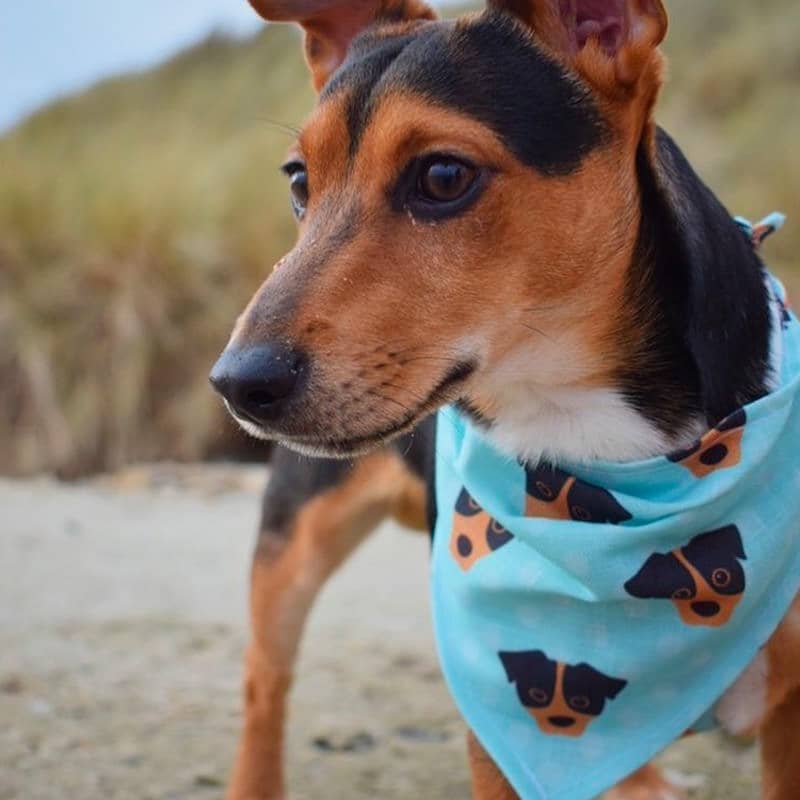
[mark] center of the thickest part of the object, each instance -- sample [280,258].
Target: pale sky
[50,48]
[55,47]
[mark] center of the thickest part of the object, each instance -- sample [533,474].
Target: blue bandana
[587,617]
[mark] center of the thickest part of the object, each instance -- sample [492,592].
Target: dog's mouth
[332,446]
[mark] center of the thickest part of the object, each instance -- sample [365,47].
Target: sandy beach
[122,624]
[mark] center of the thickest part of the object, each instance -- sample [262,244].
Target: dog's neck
[700,343]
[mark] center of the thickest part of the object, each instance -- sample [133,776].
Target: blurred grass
[137,218]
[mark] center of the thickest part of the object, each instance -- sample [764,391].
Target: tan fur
[780,743]
[488,782]
[284,583]
[331,25]
[780,751]
[376,373]
[364,346]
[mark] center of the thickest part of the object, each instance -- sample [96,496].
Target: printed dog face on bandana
[475,534]
[720,448]
[562,698]
[553,494]
[704,579]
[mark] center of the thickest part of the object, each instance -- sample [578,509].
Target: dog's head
[562,698]
[720,448]
[553,494]
[475,534]
[704,579]
[461,187]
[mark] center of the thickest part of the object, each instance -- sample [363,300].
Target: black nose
[561,722]
[706,608]
[257,381]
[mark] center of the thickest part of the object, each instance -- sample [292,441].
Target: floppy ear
[613,686]
[545,482]
[723,542]
[591,677]
[658,578]
[520,664]
[591,504]
[611,42]
[330,25]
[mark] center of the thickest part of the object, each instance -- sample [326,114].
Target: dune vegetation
[136,219]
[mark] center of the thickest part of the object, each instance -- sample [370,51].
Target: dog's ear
[724,542]
[661,575]
[610,42]
[613,686]
[520,665]
[545,482]
[589,503]
[330,25]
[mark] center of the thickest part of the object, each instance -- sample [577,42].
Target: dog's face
[553,494]
[446,191]
[475,534]
[720,448]
[704,579]
[562,698]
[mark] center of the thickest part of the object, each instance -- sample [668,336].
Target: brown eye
[496,527]
[298,186]
[721,578]
[544,490]
[538,695]
[682,594]
[472,504]
[445,180]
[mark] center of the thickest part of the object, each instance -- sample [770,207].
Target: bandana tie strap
[759,231]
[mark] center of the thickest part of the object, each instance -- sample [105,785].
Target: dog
[489,217]
[562,698]
[704,580]
[553,494]
[475,534]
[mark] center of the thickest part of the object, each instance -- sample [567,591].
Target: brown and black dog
[490,217]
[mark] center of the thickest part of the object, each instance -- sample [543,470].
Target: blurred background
[140,206]
[138,215]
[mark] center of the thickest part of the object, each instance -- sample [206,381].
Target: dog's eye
[298,186]
[721,578]
[682,594]
[538,695]
[299,189]
[580,702]
[443,180]
[437,187]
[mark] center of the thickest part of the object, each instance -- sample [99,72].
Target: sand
[122,624]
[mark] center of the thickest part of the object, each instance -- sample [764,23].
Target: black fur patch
[417,449]
[703,308]
[295,480]
[488,68]
[368,60]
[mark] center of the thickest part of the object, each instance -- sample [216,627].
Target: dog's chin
[329,447]
[344,446]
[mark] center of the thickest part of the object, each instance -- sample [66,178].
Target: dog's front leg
[332,517]
[488,782]
[780,727]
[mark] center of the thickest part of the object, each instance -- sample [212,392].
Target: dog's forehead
[486,67]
